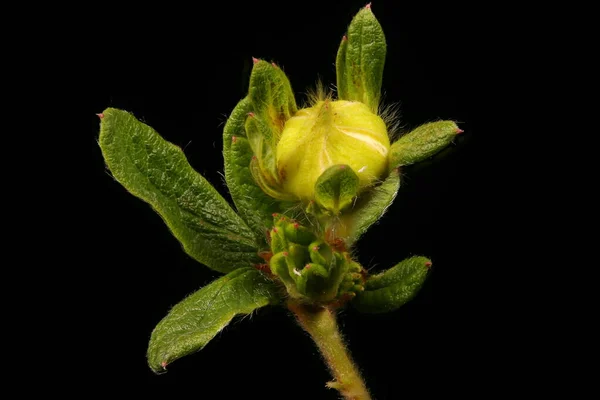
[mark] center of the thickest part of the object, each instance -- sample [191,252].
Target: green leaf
[422,143]
[157,172]
[271,96]
[336,187]
[370,207]
[391,289]
[255,207]
[193,322]
[341,70]
[360,60]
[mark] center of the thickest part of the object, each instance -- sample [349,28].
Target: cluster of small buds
[310,268]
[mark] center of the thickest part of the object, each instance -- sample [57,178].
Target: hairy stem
[321,324]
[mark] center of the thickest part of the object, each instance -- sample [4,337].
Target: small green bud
[279,242]
[320,252]
[279,267]
[299,234]
[298,257]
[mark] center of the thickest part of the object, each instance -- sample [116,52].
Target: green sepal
[193,322]
[252,203]
[360,60]
[271,96]
[336,187]
[259,137]
[391,289]
[273,192]
[422,143]
[158,172]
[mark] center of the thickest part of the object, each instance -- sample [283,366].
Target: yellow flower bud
[330,133]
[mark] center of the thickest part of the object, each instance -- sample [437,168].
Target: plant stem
[322,326]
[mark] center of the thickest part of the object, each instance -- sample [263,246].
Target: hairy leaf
[193,322]
[422,143]
[371,207]
[360,60]
[391,289]
[254,205]
[157,172]
[272,97]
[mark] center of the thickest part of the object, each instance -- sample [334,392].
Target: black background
[182,69]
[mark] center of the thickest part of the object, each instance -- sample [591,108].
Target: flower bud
[330,133]
[310,269]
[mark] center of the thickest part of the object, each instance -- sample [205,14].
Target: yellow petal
[330,133]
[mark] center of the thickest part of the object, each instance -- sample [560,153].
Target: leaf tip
[100,115]
[255,60]
[428,264]
[344,38]
[368,6]
[163,364]
[459,131]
